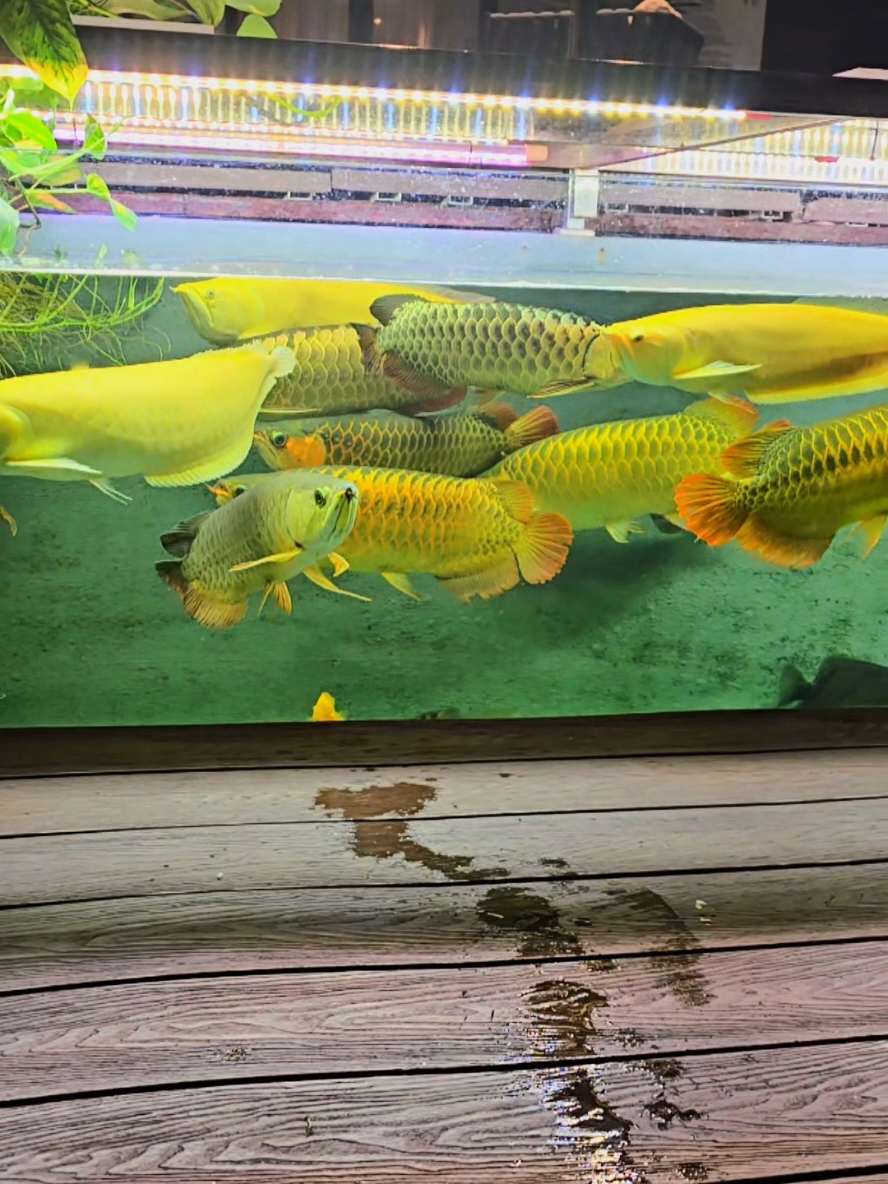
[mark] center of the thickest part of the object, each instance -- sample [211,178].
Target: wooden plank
[714,1117]
[294,1025]
[654,194]
[56,805]
[47,751]
[174,175]
[105,864]
[316,929]
[856,210]
[713,226]
[480,184]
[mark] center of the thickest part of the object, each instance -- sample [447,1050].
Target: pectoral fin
[716,370]
[59,468]
[283,557]
[621,532]
[553,389]
[401,583]
[317,577]
[339,564]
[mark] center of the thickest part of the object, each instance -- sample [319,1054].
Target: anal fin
[778,548]
[207,469]
[871,529]
[487,583]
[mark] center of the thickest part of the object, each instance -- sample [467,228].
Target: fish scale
[609,474]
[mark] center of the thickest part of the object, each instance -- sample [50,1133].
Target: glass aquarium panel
[235,499]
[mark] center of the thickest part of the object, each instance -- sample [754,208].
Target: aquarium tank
[392,385]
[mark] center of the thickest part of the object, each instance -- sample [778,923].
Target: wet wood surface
[592,971]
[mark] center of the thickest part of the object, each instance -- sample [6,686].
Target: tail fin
[385,307]
[794,687]
[543,547]
[211,613]
[535,425]
[732,412]
[177,542]
[707,505]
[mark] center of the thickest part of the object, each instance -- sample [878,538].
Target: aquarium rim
[449,72]
[44,752]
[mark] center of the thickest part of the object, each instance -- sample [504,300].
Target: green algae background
[664,623]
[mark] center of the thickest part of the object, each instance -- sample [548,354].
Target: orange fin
[517,498]
[211,613]
[535,425]
[744,458]
[498,415]
[491,581]
[871,529]
[281,596]
[708,508]
[781,549]
[542,549]
[449,398]
[729,410]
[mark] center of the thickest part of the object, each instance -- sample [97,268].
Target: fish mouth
[199,315]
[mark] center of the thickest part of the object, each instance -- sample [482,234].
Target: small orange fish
[324,711]
[795,488]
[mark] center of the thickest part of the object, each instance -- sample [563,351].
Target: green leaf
[60,168]
[41,34]
[210,12]
[32,128]
[256,26]
[98,186]
[124,215]
[258,7]
[9,225]
[94,143]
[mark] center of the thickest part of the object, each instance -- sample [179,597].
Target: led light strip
[575,107]
[749,166]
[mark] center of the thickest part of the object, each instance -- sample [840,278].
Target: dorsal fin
[518,499]
[385,307]
[744,458]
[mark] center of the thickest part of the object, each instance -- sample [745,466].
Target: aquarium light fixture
[592,107]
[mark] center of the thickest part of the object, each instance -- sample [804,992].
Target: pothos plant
[35,173]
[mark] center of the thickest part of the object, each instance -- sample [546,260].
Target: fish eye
[211,295]
[320,498]
[237,490]
[638,337]
[278,439]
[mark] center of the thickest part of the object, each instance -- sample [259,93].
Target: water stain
[679,960]
[664,1112]
[404,798]
[564,1017]
[665,1069]
[534,921]
[372,839]
[561,864]
[695,1172]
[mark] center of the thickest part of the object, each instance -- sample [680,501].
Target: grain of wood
[54,805]
[292,1025]
[221,859]
[144,937]
[715,1117]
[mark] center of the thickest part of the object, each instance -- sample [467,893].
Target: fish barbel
[478,537]
[455,445]
[497,347]
[610,474]
[329,378]
[792,489]
[255,543]
[175,423]
[770,353]
[226,309]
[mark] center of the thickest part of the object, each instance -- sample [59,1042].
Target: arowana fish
[256,543]
[175,423]
[610,474]
[226,309]
[324,711]
[454,445]
[792,489]
[329,378]
[477,536]
[771,353]
[839,682]
[431,348]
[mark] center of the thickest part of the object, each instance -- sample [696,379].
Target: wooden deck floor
[592,972]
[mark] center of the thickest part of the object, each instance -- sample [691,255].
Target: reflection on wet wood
[167,1033]
[144,937]
[113,802]
[223,859]
[727,1116]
